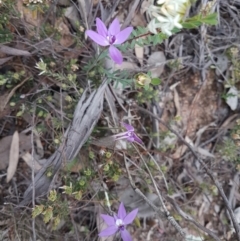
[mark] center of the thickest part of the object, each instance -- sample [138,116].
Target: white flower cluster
[33,1]
[167,15]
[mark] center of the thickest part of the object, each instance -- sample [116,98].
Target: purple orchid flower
[118,223]
[109,37]
[129,134]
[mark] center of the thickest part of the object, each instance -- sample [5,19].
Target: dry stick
[155,208]
[130,14]
[207,170]
[33,174]
[158,167]
[112,11]
[190,219]
[166,212]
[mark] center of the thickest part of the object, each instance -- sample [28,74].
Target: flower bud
[142,79]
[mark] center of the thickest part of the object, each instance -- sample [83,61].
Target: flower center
[111,39]
[120,224]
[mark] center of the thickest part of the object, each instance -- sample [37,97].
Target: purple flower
[109,37]
[129,134]
[118,223]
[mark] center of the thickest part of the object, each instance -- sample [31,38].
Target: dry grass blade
[84,10]
[13,156]
[4,151]
[13,51]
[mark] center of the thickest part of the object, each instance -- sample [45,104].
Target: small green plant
[229,150]
[144,80]
[10,79]
[6,10]
[145,95]
[53,210]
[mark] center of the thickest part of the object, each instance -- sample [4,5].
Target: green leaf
[157,39]
[103,55]
[156,81]
[146,87]
[134,33]
[191,24]
[133,44]
[210,19]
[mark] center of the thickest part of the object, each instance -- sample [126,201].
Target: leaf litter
[194,108]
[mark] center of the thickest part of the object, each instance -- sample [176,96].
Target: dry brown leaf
[13,156]
[179,152]
[4,151]
[182,149]
[31,162]
[5,143]
[66,38]
[139,51]
[157,60]
[14,51]
[126,65]
[139,20]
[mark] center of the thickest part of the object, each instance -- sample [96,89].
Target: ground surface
[189,124]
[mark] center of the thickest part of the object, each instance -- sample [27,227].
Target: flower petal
[130,217]
[130,139]
[161,2]
[108,231]
[127,126]
[137,139]
[121,211]
[101,27]
[114,27]
[115,55]
[121,134]
[152,26]
[97,38]
[126,235]
[123,35]
[109,220]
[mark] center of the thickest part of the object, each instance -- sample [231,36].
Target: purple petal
[137,139]
[109,220]
[97,38]
[121,211]
[127,126]
[114,27]
[123,35]
[121,134]
[126,235]
[115,55]
[101,27]
[108,231]
[130,139]
[130,217]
